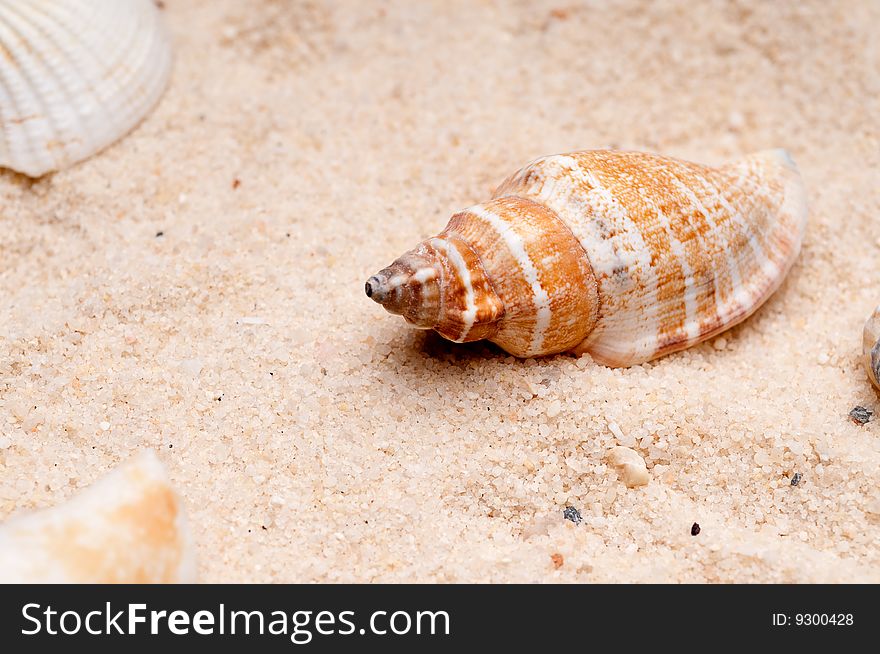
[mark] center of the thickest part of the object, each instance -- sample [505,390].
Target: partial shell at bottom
[128,527]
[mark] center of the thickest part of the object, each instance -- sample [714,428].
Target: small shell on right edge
[871,347]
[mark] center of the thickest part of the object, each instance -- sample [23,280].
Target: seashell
[128,527]
[871,347]
[623,255]
[75,76]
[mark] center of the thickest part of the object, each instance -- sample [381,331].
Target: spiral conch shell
[871,347]
[624,255]
[128,527]
[75,76]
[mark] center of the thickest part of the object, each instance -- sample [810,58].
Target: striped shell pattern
[626,256]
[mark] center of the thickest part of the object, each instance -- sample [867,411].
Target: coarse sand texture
[198,289]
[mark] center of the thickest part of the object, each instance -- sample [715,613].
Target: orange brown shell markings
[128,527]
[624,255]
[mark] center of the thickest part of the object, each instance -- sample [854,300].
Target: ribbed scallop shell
[680,251]
[871,347]
[75,76]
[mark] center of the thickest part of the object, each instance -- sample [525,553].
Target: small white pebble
[105,426]
[632,468]
[823,359]
[720,343]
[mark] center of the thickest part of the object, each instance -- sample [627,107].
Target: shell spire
[440,285]
[624,255]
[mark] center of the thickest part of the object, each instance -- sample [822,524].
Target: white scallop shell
[75,76]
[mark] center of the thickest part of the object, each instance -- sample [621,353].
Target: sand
[302,146]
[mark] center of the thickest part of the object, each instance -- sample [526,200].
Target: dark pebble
[796,479]
[860,415]
[695,529]
[572,514]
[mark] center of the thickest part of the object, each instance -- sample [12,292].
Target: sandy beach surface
[197,288]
